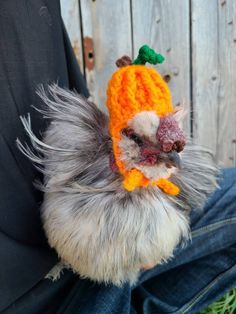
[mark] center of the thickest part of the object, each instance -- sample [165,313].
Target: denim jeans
[198,275]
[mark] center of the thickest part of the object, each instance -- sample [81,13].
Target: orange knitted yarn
[132,89]
[168,187]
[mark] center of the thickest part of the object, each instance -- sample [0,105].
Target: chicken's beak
[174,159]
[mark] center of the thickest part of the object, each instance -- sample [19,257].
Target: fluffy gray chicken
[100,228]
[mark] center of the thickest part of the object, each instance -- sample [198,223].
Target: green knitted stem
[146,54]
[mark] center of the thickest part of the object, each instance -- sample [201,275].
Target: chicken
[118,189]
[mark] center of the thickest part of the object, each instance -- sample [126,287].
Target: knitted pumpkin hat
[133,88]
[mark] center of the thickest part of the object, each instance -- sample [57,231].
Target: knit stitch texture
[132,89]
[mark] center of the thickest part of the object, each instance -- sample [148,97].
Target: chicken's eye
[133,136]
[136,139]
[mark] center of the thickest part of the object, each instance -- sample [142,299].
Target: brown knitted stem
[123,61]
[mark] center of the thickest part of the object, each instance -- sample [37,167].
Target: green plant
[226,305]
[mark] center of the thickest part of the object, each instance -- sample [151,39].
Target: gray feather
[104,232]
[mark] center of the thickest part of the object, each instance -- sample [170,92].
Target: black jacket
[34,49]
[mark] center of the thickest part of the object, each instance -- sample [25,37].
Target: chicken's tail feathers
[75,141]
[62,103]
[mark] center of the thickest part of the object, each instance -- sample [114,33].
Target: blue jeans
[198,275]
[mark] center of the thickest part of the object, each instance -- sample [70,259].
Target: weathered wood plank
[214,93]
[107,25]
[226,140]
[205,72]
[164,25]
[71,18]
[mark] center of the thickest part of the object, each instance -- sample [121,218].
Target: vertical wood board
[108,24]
[214,79]
[71,17]
[205,72]
[164,26]
[226,139]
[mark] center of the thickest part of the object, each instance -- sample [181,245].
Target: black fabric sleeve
[34,49]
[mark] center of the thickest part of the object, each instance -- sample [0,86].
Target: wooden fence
[198,39]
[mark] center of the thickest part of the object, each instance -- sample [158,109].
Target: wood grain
[205,72]
[108,24]
[71,18]
[214,79]
[226,139]
[164,25]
